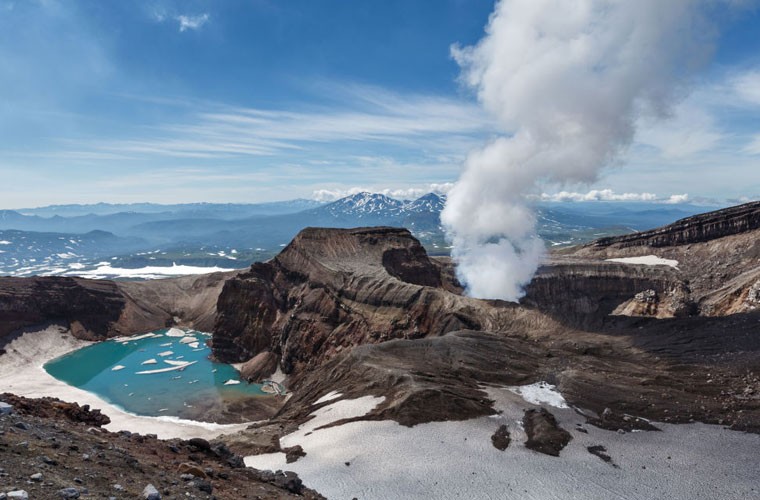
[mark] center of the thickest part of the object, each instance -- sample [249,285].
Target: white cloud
[608,195]
[191,22]
[676,199]
[597,195]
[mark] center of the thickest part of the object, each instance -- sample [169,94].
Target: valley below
[630,369]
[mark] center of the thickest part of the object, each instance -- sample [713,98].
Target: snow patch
[647,260]
[540,393]
[328,397]
[148,272]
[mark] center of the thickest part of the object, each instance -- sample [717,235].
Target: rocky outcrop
[56,409]
[97,309]
[695,229]
[584,293]
[718,256]
[331,289]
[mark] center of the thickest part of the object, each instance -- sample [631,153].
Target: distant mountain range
[64,238]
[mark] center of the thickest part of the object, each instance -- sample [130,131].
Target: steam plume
[567,81]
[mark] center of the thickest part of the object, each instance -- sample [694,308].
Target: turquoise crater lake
[164,373]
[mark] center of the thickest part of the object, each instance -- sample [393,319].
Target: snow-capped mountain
[380,206]
[363,205]
[430,203]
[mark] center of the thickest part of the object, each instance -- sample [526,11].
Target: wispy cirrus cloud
[430,124]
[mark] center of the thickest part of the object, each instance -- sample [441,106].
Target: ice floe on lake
[170,369]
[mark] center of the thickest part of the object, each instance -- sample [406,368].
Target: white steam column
[567,81]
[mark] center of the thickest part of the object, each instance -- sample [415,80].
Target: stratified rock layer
[332,289]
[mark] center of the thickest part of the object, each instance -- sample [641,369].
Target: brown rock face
[335,288]
[587,292]
[259,367]
[90,308]
[97,309]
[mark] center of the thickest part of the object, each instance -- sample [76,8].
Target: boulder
[501,438]
[5,408]
[151,493]
[68,493]
[188,468]
[544,434]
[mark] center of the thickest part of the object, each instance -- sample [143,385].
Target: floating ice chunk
[170,369]
[193,345]
[165,353]
[232,382]
[150,361]
[117,368]
[188,340]
[175,332]
[163,409]
[174,363]
[168,344]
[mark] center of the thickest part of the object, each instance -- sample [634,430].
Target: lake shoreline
[22,373]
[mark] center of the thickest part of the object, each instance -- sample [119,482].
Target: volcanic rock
[544,434]
[55,408]
[335,288]
[501,438]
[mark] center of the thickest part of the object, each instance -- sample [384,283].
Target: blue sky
[258,100]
